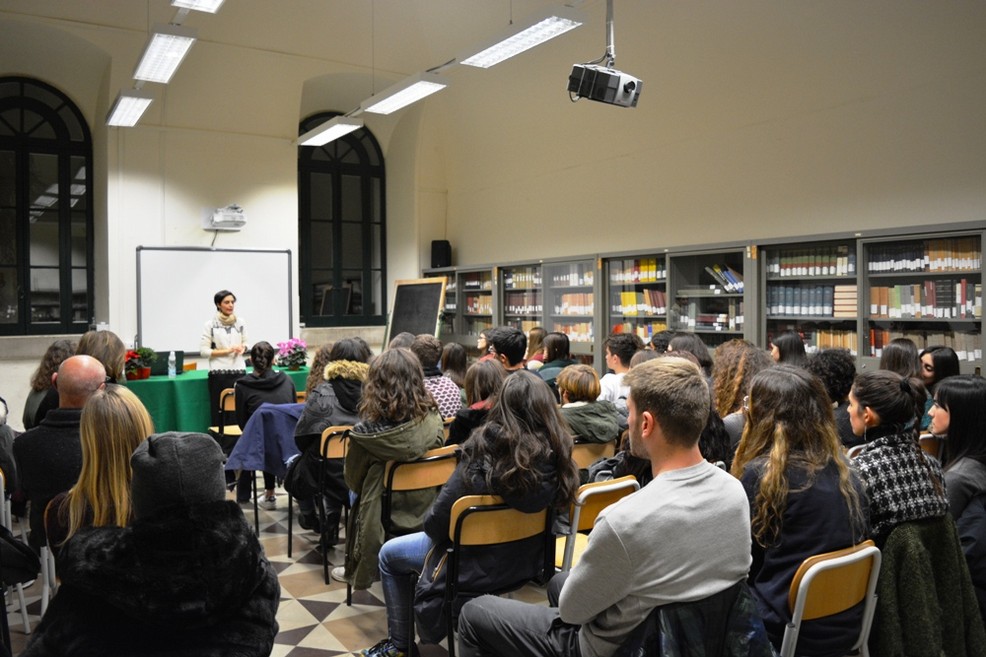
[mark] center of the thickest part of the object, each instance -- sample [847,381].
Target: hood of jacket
[403,442]
[191,567]
[350,370]
[594,421]
[270,380]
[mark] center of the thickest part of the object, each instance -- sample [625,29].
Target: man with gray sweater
[684,537]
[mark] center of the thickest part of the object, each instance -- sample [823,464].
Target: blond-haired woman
[804,498]
[114,422]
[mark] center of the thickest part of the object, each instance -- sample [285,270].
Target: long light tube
[210,6]
[330,131]
[520,38]
[407,91]
[164,53]
[128,108]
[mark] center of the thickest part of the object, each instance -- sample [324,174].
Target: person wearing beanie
[186,577]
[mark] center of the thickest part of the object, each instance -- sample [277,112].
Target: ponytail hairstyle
[262,357]
[523,430]
[964,397]
[789,423]
[897,400]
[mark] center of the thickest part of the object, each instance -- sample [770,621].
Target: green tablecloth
[182,403]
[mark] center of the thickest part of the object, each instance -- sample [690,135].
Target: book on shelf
[576,303]
[966,344]
[826,260]
[577,274]
[637,270]
[934,255]
[943,298]
[576,331]
[644,331]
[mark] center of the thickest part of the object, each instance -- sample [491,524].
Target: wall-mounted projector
[606,85]
[229,218]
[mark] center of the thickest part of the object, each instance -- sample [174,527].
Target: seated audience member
[483,381]
[334,402]
[937,364]
[683,537]
[58,351]
[509,345]
[49,456]
[836,369]
[7,463]
[692,344]
[315,378]
[659,341]
[789,348]
[902,482]
[522,453]
[901,355]
[959,415]
[804,499]
[398,420]
[556,358]
[620,348]
[186,577]
[104,346]
[447,395]
[535,348]
[484,346]
[113,423]
[737,362]
[455,363]
[643,356]
[590,419]
[402,340]
[264,385]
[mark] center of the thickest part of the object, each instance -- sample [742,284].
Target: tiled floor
[314,619]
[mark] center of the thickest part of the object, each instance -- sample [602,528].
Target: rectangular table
[182,403]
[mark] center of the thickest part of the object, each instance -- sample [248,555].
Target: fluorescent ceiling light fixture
[330,131]
[210,6]
[407,91]
[525,36]
[164,52]
[128,108]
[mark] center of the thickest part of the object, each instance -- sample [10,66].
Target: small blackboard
[418,307]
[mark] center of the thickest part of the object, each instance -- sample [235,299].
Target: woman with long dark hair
[454,363]
[398,421]
[57,351]
[523,453]
[804,497]
[901,355]
[264,385]
[937,364]
[959,415]
[788,347]
[902,482]
[483,381]
[556,357]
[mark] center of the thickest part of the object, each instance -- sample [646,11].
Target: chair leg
[20,601]
[256,504]
[349,594]
[47,579]
[410,621]
[290,514]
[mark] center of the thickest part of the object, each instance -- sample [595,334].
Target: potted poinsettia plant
[138,363]
[292,354]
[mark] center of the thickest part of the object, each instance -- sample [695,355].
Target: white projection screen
[175,288]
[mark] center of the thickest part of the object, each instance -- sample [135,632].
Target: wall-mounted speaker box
[441,254]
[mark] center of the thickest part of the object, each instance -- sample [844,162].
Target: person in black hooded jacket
[263,385]
[523,429]
[187,577]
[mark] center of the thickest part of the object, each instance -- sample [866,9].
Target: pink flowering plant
[293,353]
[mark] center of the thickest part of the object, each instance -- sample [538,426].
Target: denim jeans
[399,557]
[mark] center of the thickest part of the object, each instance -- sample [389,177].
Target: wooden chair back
[335,442]
[585,453]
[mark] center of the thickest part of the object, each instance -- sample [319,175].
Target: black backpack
[18,562]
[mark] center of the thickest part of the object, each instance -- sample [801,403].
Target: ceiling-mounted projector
[606,85]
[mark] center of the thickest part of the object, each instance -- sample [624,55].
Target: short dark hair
[623,346]
[509,342]
[692,344]
[354,349]
[836,369]
[220,295]
[659,341]
[428,349]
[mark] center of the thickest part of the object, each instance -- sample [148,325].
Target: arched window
[341,222]
[45,211]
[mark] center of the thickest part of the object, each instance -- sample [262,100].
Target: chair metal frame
[590,500]
[334,443]
[830,583]
[478,520]
[6,520]
[585,453]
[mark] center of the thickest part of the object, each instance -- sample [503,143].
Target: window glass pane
[8,237]
[9,122]
[80,309]
[44,241]
[7,178]
[321,196]
[372,154]
[37,126]
[43,186]
[352,199]
[376,200]
[322,293]
[8,295]
[78,239]
[78,191]
[376,285]
[321,244]
[44,95]
[353,280]
[376,245]
[352,245]
[75,132]
[44,295]
[347,153]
